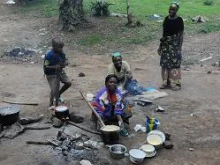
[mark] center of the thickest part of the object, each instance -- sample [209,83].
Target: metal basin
[117,151]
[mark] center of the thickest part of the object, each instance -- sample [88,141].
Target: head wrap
[175,6]
[116,54]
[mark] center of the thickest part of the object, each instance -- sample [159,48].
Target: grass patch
[91,40]
[207,28]
[39,8]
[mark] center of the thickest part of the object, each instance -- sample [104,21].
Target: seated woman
[109,105]
[121,69]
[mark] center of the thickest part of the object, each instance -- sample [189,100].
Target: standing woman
[170,49]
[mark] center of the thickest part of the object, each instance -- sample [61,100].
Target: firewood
[39,142]
[83,128]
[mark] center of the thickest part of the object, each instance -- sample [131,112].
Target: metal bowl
[155,140]
[117,151]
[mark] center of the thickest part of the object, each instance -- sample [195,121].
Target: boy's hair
[57,42]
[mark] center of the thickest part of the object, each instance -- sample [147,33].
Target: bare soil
[193,113]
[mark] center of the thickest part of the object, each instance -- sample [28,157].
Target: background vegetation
[114,29]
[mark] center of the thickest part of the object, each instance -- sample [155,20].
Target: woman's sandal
[124,132]
[164,86]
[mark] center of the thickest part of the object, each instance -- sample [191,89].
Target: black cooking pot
[9,115]
[110,134]
[62,112]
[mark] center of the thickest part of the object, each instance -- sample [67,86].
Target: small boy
[54,62]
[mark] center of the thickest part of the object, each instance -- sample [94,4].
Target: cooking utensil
[151,155]
[9,115]
[157,132]
[137,156]
[110,134]
[155,140]
[93,110]
[117,151]
[149,150]
[61,112]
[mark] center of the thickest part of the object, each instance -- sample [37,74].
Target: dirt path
[199,96]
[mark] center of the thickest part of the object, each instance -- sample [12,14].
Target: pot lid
[9,110]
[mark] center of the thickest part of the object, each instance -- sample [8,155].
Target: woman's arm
[181,41]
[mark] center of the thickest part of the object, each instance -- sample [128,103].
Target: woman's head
[117,59]
[111,82]
[173,9]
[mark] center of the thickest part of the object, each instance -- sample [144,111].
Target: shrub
[100,8]
[208,2]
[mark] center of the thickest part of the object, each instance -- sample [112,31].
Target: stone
[76,119]
[57,122]
[85,162]
[81,74]
[79,146]
[167,145]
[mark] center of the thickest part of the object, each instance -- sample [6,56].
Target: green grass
[91,40]
[141,9]
[40,8]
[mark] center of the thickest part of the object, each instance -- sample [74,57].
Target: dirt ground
[193,113]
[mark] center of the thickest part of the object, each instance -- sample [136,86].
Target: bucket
[89,96]
[152,124]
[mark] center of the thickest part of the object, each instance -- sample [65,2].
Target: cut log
[39,142]
[17,129]
[19,102]
[83,128]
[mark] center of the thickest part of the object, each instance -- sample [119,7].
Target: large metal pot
[9,115]
[117,151]
[62,112]
[110,134]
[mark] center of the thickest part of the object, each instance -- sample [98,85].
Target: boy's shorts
[63,77]
[54,81]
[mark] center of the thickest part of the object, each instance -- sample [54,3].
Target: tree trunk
[71,14]
[129,15]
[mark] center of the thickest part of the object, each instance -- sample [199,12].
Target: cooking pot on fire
[110,134]
[9,115]
[61,112]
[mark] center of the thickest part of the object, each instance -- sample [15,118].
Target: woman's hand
[120,121]
[121,124]
[159,51]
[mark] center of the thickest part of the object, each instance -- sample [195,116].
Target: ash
[77,147]
[20,55]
